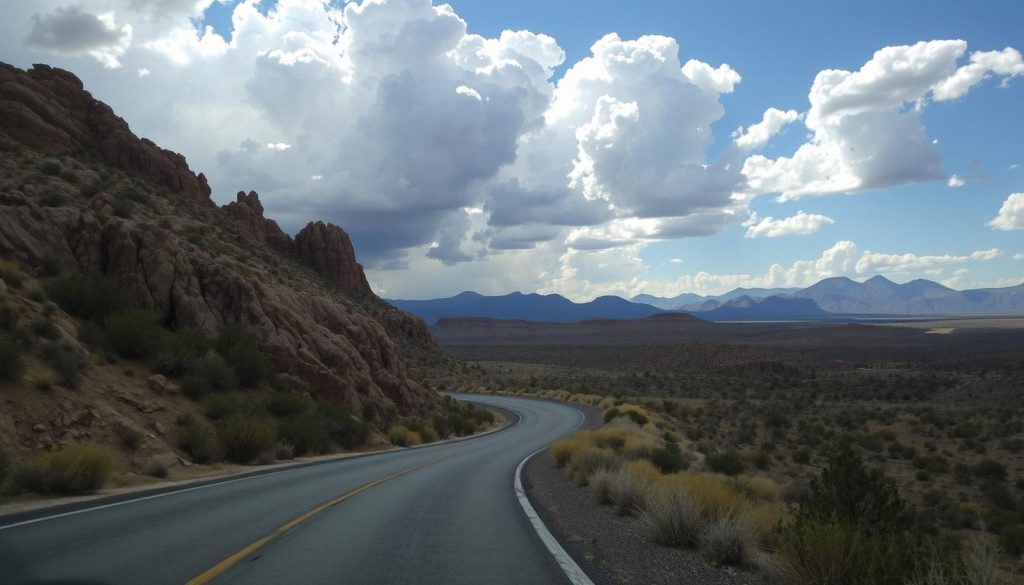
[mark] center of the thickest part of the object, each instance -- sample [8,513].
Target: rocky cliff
[80,192]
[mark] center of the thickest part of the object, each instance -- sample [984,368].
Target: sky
[657,147]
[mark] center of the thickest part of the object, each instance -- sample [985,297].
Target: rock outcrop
[199,268]
[327,249]
[247,212]
[49,110]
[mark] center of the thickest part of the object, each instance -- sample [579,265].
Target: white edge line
[254,475]
[569,567]
[131,501]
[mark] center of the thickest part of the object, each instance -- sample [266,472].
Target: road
[439,514]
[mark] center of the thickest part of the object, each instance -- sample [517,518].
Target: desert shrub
[727,462]
[288,403]
[561,451]
[89,298]
[222,406]
[284,452]
[75,469]
[5,465]
[588,459]
[209,375]
[45,329]
[669,459]
[731,541]
[761,460]
[134,333]
[130,439]
[51,167]
[762,488]
[68,363]
[181,350]
[241,350]
[307,434]
[11,274]
[672,515]
[802,456]
[199,441]
[718,496]
[429,435]
[155,469]
[601,484]
[344,429]
[90,333]
[8,317]
[402,436]
[988,469]
[122,207]
[12,366]
[245,437]
[1012,540]
[852,527]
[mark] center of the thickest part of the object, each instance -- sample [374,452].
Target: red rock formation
[247,212]
[48,109]
[327,249]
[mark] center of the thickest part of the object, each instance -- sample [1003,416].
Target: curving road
[439,514]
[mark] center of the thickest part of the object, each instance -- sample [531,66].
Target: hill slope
[83,200]
[917,297]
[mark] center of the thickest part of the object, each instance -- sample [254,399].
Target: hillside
[101,229]
[918,297]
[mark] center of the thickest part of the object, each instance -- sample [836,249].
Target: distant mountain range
[526,307]
[828,299]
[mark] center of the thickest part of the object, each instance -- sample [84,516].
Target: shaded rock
[247,212]
[48,109]
[161,385]
[327,249]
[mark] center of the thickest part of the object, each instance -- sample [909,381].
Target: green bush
[5,465]
[288,403]
[199,441]
[990,470]
[182,349]
[210,374]
[45,329]
[222,406]
[12,366]
[669,459]
[307,434]
[727,462]
[155,469]
[131,439]
[1011,539]
[11,274]
[89,298]
[134,333]
[245,437]
[75,469]
[8,317]
[241,350]
[67,361]
[344,429]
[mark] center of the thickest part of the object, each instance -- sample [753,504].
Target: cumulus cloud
[956,181]
[866,124]
[1011,214]
[1018,256]
[72,30]
[757,135]
[799,224]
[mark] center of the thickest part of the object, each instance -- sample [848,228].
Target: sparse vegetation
[245,437]
[155,469]
[210,374]
[75,469]
[402,436]
[12,366]
[89,298]
[198,440]
[134,333]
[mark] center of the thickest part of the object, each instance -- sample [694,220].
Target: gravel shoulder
[612,549]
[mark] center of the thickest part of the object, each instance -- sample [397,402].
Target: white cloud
[866,125]
[676,261]
[1018,256]
[74,31]
[799,224]
[1011,214]
[956,181]
[772,122]
[278,146]
[143,72]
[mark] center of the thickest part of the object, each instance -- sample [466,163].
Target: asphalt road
[440,514]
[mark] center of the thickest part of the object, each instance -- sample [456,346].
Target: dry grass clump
[762,488]
[75,469]
[402,436]
[672,515]
[588,460]
[731,540]
[718,496]
[629,486]
[601,484]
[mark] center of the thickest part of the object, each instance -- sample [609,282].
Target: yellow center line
[234,559]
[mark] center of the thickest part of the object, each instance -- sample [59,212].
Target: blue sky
[362,119]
